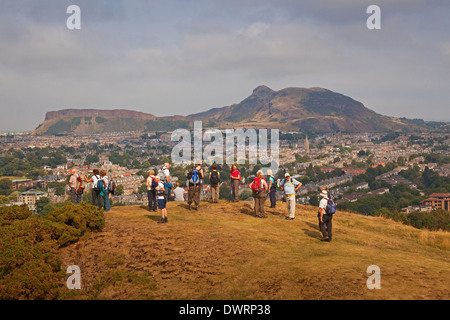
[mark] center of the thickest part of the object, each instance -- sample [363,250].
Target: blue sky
[183,57]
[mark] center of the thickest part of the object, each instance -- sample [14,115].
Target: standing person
[214,179]
[79,190]
[96,198]
[325,219]
[194,182]
[290,186]
[151,192]
[105,192]
[259,189]
[161,199]
[235,179]
[73,186]
[178,192]
[165,170]
[272,189]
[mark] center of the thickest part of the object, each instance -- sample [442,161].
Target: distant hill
[91,121]
[314,110]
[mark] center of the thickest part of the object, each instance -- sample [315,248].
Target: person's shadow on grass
[312,233]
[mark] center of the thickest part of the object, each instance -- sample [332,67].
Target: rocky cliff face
[83,113]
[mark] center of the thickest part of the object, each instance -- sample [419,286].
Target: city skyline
[175,57]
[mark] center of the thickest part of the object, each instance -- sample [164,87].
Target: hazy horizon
[179,58]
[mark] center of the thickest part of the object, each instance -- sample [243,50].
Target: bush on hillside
[30,267]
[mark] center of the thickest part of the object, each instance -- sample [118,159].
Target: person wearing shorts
[161,199]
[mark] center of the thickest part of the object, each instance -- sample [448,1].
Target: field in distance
[223,252]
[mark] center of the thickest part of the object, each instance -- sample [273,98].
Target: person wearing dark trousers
[151,190]
[96,198]
[272,189]
[195,177]
[325,220]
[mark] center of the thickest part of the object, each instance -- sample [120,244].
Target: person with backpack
[290,186]
[165,173]
[214,180]
[73,186]
[104,190]
[326,210]
[80,186]
[235,180]
[194,178]
[161,198]
[259,189]
[96,198]
[151,190]
[272,189]
[168,186]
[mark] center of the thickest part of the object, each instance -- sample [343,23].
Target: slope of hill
[223,252]
[314,110]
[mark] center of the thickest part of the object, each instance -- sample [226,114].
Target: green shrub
[30,267]
[9,214]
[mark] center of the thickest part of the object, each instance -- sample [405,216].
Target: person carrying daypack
[327,208]
[96,198]
[194,177]
[161,198]
[103,184]
[259,189]
[73,186]
[214,180]
[151,190]
[111,186]
[80,186]
[164,173]
[272,189]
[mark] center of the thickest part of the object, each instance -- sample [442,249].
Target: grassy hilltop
[223,252]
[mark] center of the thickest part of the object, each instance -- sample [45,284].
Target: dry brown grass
[223,252]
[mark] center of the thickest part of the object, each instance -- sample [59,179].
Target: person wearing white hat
[325,220]
[290,186]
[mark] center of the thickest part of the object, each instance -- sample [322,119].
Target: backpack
[257,185]
[214,178]
[80,185]
[99,185]
[168,186]
[331,207]
[161,192]
[154,184]
[161,175]
[193,177]
[111,186]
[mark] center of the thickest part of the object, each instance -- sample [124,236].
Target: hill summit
[223,252]
[313,109]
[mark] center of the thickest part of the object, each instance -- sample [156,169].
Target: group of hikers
[102,187]
[159,187]
[159,190]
